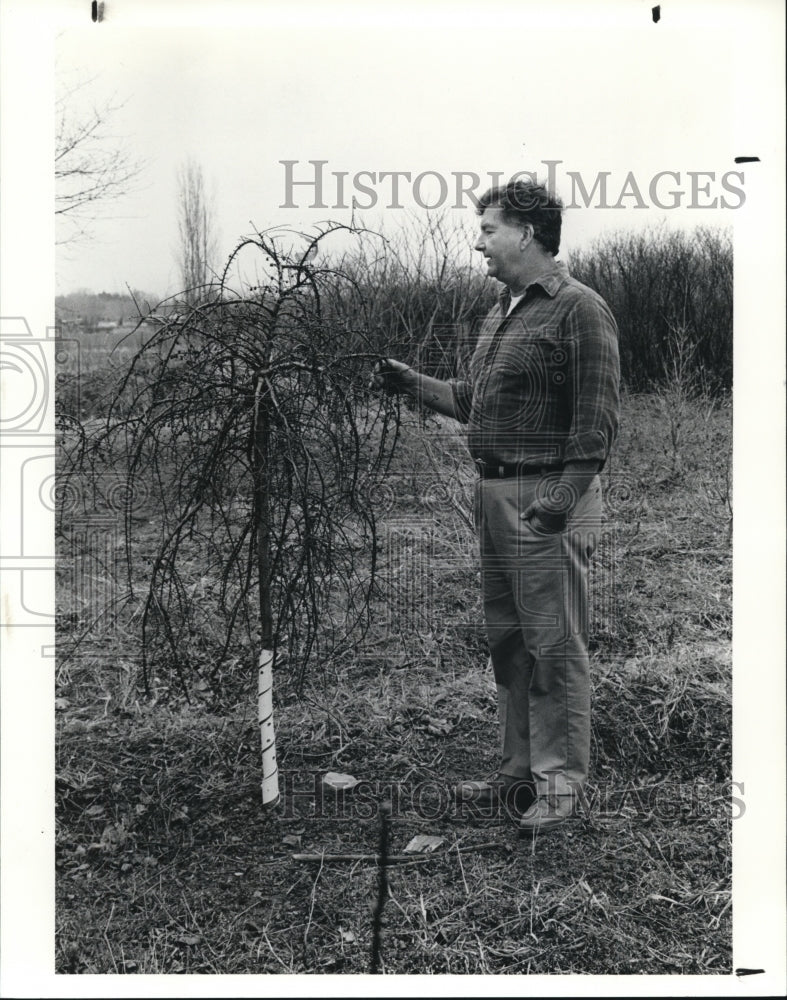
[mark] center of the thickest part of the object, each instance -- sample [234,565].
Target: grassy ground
[166,862]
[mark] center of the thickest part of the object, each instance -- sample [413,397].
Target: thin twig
[382,887]
[461,866]
[109,946]
[311,907]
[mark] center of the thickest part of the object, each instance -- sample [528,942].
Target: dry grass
[166,862]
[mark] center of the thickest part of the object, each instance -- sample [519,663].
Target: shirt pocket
[529,372]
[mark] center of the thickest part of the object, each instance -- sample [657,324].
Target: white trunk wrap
[270,769]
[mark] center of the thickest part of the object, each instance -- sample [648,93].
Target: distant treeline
[87,309]
[420,296]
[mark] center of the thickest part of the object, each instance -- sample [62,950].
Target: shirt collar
[550,280]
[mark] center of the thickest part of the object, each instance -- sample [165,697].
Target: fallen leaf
[423,844]
[188,939]
[113,836]
[291,840]
[339,782]
[438,727]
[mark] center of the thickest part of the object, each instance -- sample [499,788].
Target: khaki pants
[536,607]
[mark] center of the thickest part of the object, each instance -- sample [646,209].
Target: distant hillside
[88,309]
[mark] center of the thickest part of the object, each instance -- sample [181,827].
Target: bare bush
[660,280]
[424,293]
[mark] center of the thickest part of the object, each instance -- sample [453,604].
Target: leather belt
[487,471]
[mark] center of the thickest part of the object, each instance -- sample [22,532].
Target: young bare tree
[93,166]
[248,418]
[196,230]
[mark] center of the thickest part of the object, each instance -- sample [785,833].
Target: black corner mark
[656,13]
[747,159]
[749,972]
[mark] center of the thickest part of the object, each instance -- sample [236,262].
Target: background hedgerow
[671,294]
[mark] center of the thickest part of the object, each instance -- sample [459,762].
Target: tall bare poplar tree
[196,229]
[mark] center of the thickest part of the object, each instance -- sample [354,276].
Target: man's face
[501,244]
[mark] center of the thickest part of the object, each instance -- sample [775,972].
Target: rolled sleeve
[595,365]
[463,398]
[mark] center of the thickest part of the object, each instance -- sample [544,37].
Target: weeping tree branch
[249,421]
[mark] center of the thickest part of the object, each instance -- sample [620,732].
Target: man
[541,405]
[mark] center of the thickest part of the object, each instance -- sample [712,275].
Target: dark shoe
[498,796]
[546,814]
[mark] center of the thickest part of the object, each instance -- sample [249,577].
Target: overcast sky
[620,94]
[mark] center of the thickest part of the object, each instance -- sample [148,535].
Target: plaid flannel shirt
[543,382]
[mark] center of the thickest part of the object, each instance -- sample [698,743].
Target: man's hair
[526,201]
